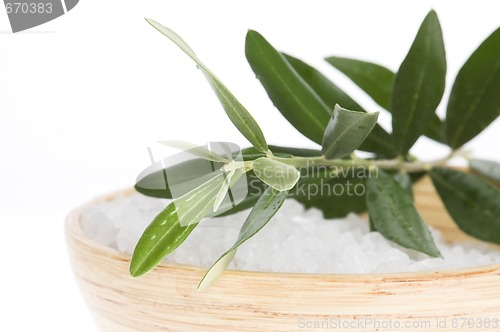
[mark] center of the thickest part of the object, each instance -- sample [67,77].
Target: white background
[82,97]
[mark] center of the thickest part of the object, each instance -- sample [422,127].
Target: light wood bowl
[166,299]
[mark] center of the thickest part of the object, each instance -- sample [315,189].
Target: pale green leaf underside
[346,131]
[276,174]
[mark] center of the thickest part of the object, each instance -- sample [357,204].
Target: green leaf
[473,204]
[489,169]
[378,142]
[435,129]
[231,177]
[419,85]
[195,150]
[276,174]
[374,79]
[404,180]
[172,226]
[394,215]
[263,211]
[371,225]
[236,112]
[298,103]
[346,131]
[377,82]
[335,193]
[159,182]
[475,99]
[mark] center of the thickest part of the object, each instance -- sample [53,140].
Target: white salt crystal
[295,240]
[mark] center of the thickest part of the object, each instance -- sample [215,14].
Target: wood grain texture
[166,299]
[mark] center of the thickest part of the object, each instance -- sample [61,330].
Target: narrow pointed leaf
[419,85]
[236,112]
[195,150]
[346,131]
[276,174]
[473,204]
[231,178]
[378,142]
[393,214]
[172,226]
[377,82]
[372,78]
[293,97]
[265,208]
[475,99]
[487,168]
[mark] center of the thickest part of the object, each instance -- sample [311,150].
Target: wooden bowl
[166,299]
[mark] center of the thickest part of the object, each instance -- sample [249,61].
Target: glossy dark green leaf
[378,142]
[157,181]
[487,168]
[419,85]
[293,97]
[372,78]
[236,112]
[346,131]
[475,99]
[266,207]
[172,226]
[435,129]
[394,215]
[473,204]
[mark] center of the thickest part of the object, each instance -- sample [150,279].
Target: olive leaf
[404,180]
[346,131]
[474,99]
[419,85]
[372,78]
[378,142]
[195,150]
[334,196]
[230,178]
[276,174]
[394,215]
[473,204]
[489,169]
[236,112]
[298,103]
[377,81]
[265,208]
[173,225]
